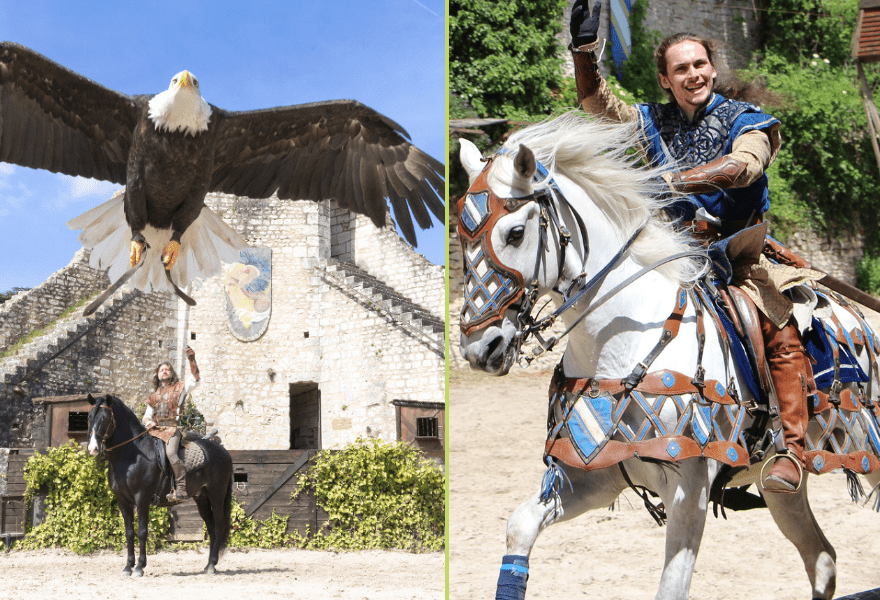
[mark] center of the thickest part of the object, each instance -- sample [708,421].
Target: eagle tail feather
[206,244]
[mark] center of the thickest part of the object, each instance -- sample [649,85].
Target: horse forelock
[598,156]
[123,414]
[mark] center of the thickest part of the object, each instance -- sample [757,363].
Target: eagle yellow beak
[185,80]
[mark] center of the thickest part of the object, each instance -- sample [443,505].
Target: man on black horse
[722,148]
[163,414]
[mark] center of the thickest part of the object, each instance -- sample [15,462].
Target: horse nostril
[493,345]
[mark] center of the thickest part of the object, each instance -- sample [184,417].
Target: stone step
[386,298]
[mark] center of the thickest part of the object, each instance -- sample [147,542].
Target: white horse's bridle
[502,287]
[490,286]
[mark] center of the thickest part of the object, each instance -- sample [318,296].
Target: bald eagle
[172,148]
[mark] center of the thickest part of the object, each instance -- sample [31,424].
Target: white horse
[511,223]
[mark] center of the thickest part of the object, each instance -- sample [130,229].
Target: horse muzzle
[492,349]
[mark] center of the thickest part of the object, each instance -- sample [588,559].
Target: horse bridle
[111,427]
[477,232]
[108,430]
[489,295]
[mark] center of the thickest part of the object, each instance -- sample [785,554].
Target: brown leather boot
[178,494]
[790,369]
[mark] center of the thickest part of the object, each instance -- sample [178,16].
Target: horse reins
[547,199]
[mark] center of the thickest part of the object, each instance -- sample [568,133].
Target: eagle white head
[181,107]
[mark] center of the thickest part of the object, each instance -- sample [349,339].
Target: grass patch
[26,339]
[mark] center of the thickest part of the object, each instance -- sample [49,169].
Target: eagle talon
[170,253]
[137,248]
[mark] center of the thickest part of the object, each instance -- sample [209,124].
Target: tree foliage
[504,58]
[798,29]
[826,174]
[639,74]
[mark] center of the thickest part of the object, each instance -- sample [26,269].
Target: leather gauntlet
[721,173]
[193,367]
[586,70]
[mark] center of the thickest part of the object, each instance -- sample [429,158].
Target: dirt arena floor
[496,436]
[256,574]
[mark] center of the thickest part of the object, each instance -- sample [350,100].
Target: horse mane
[601,157]
[125,410]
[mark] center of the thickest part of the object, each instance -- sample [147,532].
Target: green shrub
[82,514]
[248,532]
[377,495]
[868,274]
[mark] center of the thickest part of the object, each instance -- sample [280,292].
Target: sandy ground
[497,431]
[369,575]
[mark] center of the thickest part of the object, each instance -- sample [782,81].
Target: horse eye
[516,235]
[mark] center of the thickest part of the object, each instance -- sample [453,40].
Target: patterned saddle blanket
[192,455]
[594,424]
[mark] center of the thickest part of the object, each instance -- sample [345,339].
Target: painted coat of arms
[248,288]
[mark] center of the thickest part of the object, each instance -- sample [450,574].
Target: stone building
[353,345]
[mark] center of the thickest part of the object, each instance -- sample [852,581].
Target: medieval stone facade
[335,356]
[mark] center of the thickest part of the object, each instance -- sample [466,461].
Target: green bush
[504,58]
[82,514]
[377,495]
[638,75]
[248,532]
[868,274]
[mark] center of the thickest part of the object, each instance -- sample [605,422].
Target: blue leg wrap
[513,577]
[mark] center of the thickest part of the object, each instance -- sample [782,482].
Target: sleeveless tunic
[164,404]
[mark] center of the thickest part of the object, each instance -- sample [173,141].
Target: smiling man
[717,150]
[720,147]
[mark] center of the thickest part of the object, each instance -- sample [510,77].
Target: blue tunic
[671,139]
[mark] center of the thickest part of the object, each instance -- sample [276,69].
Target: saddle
[191,454]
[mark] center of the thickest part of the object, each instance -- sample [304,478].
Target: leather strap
[586,71]
[670,330]
[177,290]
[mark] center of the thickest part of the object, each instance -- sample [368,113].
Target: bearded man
[163,414]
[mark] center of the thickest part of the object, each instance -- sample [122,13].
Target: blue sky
[387,54]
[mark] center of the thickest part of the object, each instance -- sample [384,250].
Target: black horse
[138,479]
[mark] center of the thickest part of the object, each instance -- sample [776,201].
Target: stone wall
[359,360]
[357,355]
[835,255]
[36,308]
[731,23]
[113,351]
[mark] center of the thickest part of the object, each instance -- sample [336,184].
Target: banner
[247,285]
[621,42]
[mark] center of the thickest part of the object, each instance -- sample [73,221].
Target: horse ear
[525,164]
[91,399]
[471,159]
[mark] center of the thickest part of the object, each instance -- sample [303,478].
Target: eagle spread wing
[55,119]
[339,149]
